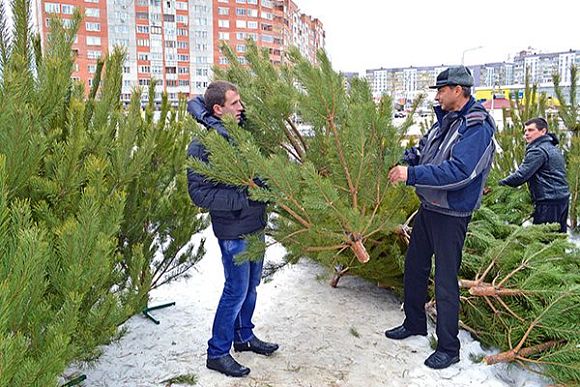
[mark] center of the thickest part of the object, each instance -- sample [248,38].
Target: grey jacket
[544,169]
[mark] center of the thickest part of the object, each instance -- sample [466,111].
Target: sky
[370,34]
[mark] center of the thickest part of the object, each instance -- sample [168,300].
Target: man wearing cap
[448,169]
[544,169]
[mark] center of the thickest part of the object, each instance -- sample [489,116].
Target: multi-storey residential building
[404,84]
[273,24]
[176,42]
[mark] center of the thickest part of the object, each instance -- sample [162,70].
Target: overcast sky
[367,34]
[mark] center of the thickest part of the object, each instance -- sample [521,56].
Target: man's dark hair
[466,91]
[216,94]
[540,122]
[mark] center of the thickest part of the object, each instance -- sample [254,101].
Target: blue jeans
[233,318]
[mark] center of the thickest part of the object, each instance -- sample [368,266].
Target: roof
[498,103]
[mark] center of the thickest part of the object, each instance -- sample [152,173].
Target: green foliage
[94,209]
[324,153]
[569,113]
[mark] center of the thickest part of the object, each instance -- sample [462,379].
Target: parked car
[400,115]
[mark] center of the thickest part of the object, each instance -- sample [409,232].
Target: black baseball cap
[455,76]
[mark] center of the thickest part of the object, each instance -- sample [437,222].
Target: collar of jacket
[548,137]
[196,107]
[440,113]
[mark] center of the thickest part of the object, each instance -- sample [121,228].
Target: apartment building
[272,24]
[176,42]
[405,84]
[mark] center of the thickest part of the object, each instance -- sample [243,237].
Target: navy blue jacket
[233,214]
[450,165]
[544,169]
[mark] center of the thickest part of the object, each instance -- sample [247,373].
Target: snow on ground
[328,337]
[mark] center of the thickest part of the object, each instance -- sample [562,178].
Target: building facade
[272,24]
[176,42]
[405,84]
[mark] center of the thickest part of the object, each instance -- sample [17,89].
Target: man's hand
[397,174]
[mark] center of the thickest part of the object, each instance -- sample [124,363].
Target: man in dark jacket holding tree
[544,169]
[233,216]
[448,169]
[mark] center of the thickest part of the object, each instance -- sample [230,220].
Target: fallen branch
[522,354]
[484,289]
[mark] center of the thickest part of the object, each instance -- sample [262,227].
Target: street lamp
[467,50]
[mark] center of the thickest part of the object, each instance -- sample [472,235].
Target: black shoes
[400,333]
[257,346]
[439,360]
[227,365]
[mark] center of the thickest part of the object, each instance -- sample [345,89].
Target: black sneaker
[439,360]
[257,346]
[227,365]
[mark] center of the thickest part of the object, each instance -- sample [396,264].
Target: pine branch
[521,353]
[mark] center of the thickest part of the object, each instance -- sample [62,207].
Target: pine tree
[326,181]
[569,113]
[90,193]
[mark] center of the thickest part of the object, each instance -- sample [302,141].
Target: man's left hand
[397,174]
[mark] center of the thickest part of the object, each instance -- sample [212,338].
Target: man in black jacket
[233,216]
[544,169]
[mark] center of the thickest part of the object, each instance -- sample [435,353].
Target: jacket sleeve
[412,155]
[533,160]
[210,195]
[470,156]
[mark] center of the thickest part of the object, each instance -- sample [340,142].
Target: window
[223,23]
[201,46]
[252,24]
[241,48]
[93,26]
[183,70]
[183,82]
[181,19]
[92,54]
[68,9]
[255,2]
[241,11]
[182,58]
[182,44]
[223,35]
[240,23]
[142,29]
[241,1]
[182,32]
[91,1]
[92,68]
[143,56]
[201,21]
[142,15]
[156,30]
[202,72]
[144,69]
[181,5]
[223,11]
[200,34]
[92,12]
[143,42]
[241,35]
[93,40]
[51,8]
[267,38]
[169,18]
[253,12]
[223,1]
